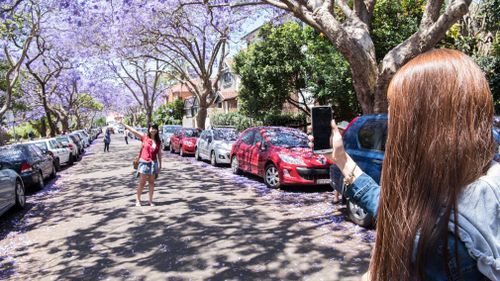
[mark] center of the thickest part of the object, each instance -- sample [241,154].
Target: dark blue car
[30,162]
[364,141]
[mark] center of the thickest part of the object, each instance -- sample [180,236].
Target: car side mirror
[210,139]
[259,145]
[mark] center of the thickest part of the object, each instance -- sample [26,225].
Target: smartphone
[321,128]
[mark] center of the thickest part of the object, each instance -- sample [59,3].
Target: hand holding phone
[322,128]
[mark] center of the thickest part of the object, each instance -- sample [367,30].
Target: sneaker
[151,204]
[138,203]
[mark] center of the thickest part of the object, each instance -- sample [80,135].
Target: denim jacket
[479,220]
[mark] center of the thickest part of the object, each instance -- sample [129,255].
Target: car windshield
[170,130]
[191,133]
[226,134]
[10,153]
[286,137]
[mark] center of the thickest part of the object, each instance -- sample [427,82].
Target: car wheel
[197,154]
[172,149]
[20,195]
[357,215]
[235,166]
[181,152]
[39,181]
[213,159]
[71,160]
[57,164]
[271,176]
[54,172]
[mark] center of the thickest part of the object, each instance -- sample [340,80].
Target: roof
[228,94]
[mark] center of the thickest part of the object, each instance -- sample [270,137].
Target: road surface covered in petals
[208,224]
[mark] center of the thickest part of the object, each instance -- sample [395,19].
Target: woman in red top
[149,162]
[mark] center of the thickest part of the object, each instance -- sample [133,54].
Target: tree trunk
[43,127]
[52,125]
[65,123]
[149,116]
[201,116]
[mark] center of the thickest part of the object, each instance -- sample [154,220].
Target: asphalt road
[207,225]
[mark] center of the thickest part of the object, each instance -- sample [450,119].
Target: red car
[279,155]
[184,140]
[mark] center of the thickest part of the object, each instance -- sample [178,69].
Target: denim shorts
[147,168]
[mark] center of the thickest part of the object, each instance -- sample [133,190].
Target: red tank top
[147,152]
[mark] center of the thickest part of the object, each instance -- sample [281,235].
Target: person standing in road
[125,135]
[149,161]
[107,139]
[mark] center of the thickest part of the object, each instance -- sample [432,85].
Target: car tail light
[70,146]
[50,153]
[26,167]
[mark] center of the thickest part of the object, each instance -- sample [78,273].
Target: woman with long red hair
[437,207]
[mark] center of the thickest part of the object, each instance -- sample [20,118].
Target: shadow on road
[208,224]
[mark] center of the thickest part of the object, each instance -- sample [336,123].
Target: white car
[67,142]
[61,155]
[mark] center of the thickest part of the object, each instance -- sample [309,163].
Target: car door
[6,191]
[257,154]
[44,161]
[369,154]
[208,143]
[244,150]
[176,139]
[202,143]
[61,151]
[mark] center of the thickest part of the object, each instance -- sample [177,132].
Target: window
[227,80]
[258,138]
[35,151]
[373,134]
[248,137]
[53,144]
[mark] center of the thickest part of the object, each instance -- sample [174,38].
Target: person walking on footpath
[125,135]
[149,161]
[107,139]
[437,208]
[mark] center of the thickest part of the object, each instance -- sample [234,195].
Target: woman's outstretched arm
[133,131]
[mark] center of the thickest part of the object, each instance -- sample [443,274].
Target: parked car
[68,143]
[183,141]
[279,155]
[29,162]
[60,154]
[215,145]
[76,139]
[364,140]
[83,139]
[11,190]
[86,136]
[167,132]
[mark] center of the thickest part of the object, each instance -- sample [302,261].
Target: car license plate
[323,181]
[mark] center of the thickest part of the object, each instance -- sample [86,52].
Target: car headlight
[290,159]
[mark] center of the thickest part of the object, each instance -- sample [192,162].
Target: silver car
[215,145]
[11,190]
[167,132]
